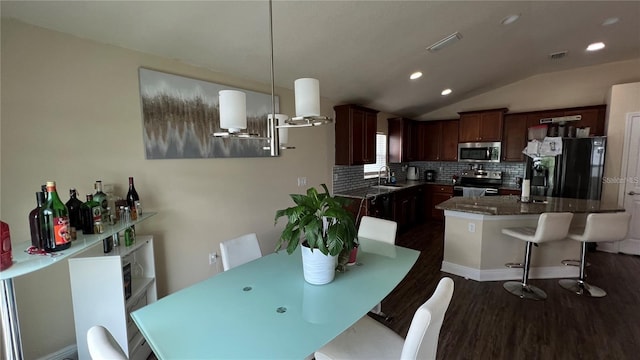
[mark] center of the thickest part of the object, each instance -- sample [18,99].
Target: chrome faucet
[388,174]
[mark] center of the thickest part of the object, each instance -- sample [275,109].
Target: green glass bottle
[129,237]
[101,198]
[54,221]
[90,214]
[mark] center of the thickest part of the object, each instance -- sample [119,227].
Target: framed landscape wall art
[180,114]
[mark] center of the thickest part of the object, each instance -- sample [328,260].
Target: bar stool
[599,227]
[551,227]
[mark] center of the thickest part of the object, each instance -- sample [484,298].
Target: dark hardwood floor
[486,322]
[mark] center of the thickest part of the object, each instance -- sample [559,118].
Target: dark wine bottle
[54,221]
[73,205]
[132,199]
[90,212]
[34,221]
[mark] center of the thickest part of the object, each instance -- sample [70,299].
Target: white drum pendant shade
[283,133]
[307,93]
[233,110]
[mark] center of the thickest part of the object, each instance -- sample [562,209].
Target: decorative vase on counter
[319,269]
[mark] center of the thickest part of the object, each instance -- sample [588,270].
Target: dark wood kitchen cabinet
[449,140]
[438,194]
[408,207]
[514,137]
[515,134]
[483,125]
[400,142]
[436,140]
[592,117]
[355,135]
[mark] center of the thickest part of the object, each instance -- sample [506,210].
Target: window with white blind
[371,170]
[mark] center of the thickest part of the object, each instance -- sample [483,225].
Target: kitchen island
[475,248]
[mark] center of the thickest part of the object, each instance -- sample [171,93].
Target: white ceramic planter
[319,269]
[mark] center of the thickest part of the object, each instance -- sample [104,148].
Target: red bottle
[6,259]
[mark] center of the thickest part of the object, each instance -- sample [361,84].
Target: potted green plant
[323,227]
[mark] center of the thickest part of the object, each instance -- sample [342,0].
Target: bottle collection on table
[54,224]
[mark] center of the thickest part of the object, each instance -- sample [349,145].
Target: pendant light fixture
[307,101]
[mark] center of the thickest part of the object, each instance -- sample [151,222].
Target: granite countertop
[511,205]
[373,191]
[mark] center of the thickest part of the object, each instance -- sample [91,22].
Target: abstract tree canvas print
[180,114]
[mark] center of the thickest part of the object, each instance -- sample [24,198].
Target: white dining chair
[369,339]
[240,250]
[380,230]
[102,345]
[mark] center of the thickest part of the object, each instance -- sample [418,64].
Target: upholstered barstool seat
[599,227]
[551,227]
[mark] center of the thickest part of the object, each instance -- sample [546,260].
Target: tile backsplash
[352,177]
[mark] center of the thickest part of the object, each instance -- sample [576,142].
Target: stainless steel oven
[478,182]
[479,152]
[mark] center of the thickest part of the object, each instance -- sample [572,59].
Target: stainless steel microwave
[479,152]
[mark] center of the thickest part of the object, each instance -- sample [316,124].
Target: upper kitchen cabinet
[401,138]
[514,137]
[437,140]
[592,117]
[449,142]
[483,125]
[355,135]
[515,134]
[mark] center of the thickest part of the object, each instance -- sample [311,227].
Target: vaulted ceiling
[362,51]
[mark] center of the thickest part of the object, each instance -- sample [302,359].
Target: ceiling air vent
[558,55]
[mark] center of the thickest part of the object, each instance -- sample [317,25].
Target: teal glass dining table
[265,310]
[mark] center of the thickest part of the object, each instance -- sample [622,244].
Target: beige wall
[623,99]
[71,113]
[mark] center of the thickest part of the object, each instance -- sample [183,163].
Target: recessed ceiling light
[595,46]
[510,19]
[610,21]
[415,75]
[446,92]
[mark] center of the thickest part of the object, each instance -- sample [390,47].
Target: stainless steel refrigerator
[579,169]
[576,173]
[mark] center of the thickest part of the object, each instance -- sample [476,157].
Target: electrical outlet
[213,257]
[472,227]
[302,181]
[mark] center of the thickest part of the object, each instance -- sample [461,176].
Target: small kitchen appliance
[412,173]
[430,175]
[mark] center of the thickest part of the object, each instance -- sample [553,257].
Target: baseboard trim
[66,353]
[548,272]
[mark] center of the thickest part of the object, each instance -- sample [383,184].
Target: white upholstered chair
[599,227]
[551,227]
[240,250]
[368,339]
[102,345]
[380,230]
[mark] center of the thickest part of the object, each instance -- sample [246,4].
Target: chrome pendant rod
[273,136]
